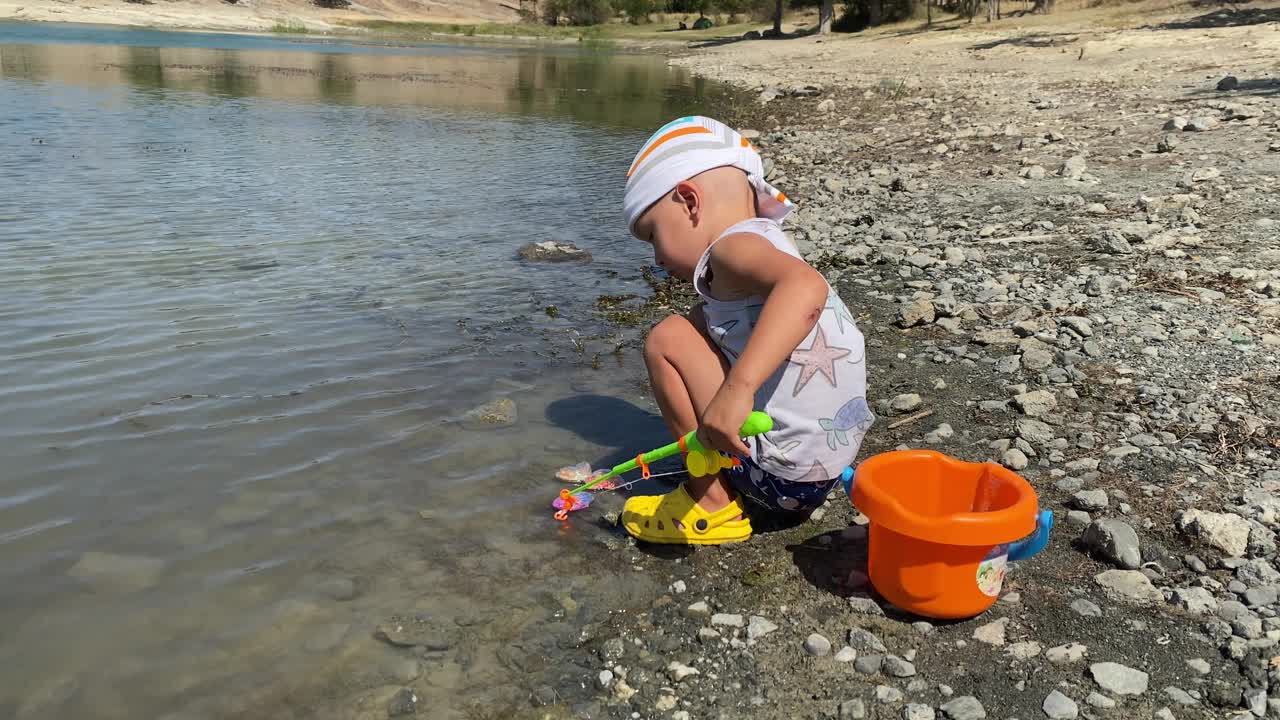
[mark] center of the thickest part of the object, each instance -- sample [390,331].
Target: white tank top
[818,398]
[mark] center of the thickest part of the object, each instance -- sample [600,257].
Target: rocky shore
[1064,249]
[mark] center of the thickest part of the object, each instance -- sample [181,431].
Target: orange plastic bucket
[942,531]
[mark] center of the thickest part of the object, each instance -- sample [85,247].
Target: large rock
[1226,532]
[1060,707]
[1035,431]
[1119,679]
[1129,586]
[1073,168]
[497,413]
[552,251]
[1114,541]
[1195,600]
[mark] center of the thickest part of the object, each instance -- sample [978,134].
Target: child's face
[671,227]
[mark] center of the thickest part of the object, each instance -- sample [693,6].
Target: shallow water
[249,290]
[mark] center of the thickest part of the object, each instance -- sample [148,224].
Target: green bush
[577,12]
[859,15]
[637,10]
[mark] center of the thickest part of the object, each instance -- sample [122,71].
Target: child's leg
[686,370]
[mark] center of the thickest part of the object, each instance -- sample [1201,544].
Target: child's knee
[667,336]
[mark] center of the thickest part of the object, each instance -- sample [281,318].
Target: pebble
[678,587]
[868,664]
[1195,600]
[1119,679]
[817,645]
[1100,701]
[1114,541]
[853,710]
[1199,666]
[706,635]
[897,667]
[1036,403]
[758,627]
[1060,707]
[678,671]
[699,609]
[727,620]
[1014,459]
[1024,650]
[865,641]
[1068,653]
[965,707]
[885,694]
[846,654]
[1128,585]
[992,633]
[1180,696]
[1086,608]
[906,402]
[917,711]
[604,679]
[1089,500]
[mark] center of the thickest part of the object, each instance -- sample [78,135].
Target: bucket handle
[846,479]
[1035,542]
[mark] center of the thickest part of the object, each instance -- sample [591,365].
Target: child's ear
[686,194]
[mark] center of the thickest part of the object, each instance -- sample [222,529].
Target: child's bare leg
[686,370]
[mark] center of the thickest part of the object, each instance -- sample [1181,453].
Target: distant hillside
[259,15]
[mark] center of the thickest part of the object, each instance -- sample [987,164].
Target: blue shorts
[772,493]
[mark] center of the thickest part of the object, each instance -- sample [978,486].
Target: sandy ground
[252,15]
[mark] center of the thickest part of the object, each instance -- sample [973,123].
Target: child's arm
[794,294]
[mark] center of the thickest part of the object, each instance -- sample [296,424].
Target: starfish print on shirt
[819,358]
[841,311]
[779,454]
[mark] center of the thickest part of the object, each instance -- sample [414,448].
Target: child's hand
[723,420]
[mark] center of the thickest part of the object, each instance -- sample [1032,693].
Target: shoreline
[1005,213]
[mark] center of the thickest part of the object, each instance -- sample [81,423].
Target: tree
[928,4]
[824,17]
[1042,6]
[777,19]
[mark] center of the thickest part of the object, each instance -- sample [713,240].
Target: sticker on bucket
[992,569]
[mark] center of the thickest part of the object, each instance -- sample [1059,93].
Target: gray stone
[1035,431]
[1113,242]
[817,645]
[917,312]
[1073,168]
[552,251]
[1226,532]
[1119,679]
[887,695]
[1065,654]
[1089,500]
[1085,608]
[1261,596]
[865,641]
[1036,403]
[1176,123]
[1179,696]
[115,573]
[758,627]
[906,402]
[1201,123]
[1256,700]
[1195,600]
[853,710]
[496,413]
[1199,666]
[1100,701]
[727,620]
[868,664]
[604,679]
[1037,357]
[1168,143]
[1078,518]
[416,631]
[939,435]
[340,589]
[612,650]
[1115,541]
[846,654]
[1023,650]
[1060,707]
[965,707]
[1228,83]
[992,633]
[678,671]
[1129,586]
[1014,459]
[917,711]
[698,609]
[897,667]
[707,635]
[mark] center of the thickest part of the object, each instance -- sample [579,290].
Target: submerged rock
[552,251]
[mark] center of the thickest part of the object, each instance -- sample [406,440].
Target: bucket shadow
[835,562]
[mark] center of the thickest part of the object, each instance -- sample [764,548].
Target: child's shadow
[836,562]
[626,430]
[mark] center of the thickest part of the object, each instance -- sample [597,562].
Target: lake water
[250,289]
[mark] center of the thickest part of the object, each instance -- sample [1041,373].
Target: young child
[769,335]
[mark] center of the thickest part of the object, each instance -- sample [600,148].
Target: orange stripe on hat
[669,136]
